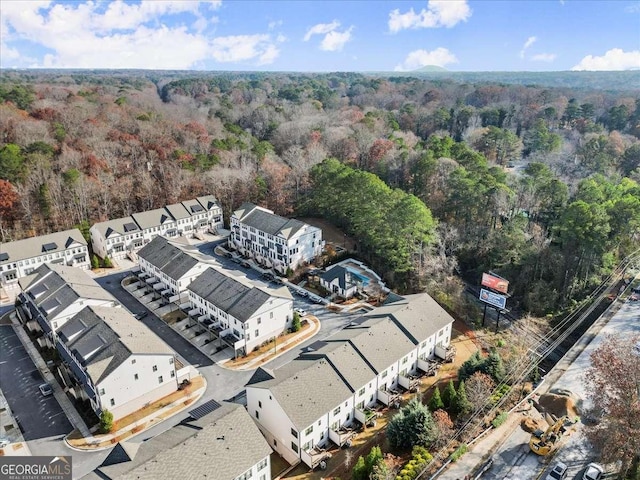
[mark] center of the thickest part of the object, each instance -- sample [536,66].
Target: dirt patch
[331,233]
[558,405]
[530,425]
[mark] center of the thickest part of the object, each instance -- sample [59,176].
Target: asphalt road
[39,416]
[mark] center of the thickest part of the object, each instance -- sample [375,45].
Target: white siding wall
[272,422]
[130,394]
[260,471]
[369,396]
[274,317]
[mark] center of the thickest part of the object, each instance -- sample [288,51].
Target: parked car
[4,442]
[45,389]
[300,312]
[558,472]
[593,472]
[141,315]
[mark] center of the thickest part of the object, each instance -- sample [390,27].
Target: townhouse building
[172,267]
[315,399]
[125,236]
[20,258]
[218,441]
[115,361]
[53,294]
[272,240]
[243,314]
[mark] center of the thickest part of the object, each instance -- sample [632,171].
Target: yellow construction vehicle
[543,443]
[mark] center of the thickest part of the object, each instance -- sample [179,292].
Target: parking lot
[38,416]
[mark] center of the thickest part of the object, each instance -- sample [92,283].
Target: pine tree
[449,396]
[435,403]
[494,367]
[359,471]
[462,404]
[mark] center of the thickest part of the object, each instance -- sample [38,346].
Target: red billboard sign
[495,283]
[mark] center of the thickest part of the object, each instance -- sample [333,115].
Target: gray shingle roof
[168,258]
[347,362]
[341,273]
[208,202]
[419,316]
[222,445]
[193,206]
[306,389]
[115,226]
[228,294]
[55,287]
[178,211]
[34,246]
[152,218]
[379,340]
[261,219]
[102,338]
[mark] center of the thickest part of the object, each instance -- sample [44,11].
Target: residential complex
[125,236]
[115,361]
[18,259]
[53,294]
[172,267]
[223,445]
[272,240]
[109,357]
[303,405]
[243,314]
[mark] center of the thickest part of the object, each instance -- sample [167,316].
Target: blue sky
[293,35]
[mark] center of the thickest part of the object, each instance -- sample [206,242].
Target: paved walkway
[149,421]
[17,445]
[282,347]
[68,408]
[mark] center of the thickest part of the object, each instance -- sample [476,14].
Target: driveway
[39,417]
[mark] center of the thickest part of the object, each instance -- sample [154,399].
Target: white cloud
[439,13]
[614,59]
[275,24]
[334,41]
[149,34]
[237,48]
[633,8]
[421,58]
[530,41]
[321,29]
[544,57]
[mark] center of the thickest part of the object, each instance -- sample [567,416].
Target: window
[173,373]
[259,404]
[262,464]
[171,361]
[294,447]
[135,376]
[271,315]
[160,380]
[112,402]
[260,321]
[336,411]
[384,374]
[295,433]
[257,332]
[309,430]
[155,368]
[361,392]
[101,392]
[404,360]
[257,414]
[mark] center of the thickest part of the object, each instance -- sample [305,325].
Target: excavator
[543,443]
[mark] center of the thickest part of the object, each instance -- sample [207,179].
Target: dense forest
[438,178]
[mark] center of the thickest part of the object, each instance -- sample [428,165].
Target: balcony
[409,382]
[388,396]
[342,436]
[366,416]
[429,367]
[315,457]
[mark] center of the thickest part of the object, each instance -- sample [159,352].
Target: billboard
[495,283]
[494,299]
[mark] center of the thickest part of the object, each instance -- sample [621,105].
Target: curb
[100,449]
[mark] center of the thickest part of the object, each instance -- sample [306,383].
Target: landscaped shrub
[461,450]
[500,419]
[499,393]
[420,458]
[106,421]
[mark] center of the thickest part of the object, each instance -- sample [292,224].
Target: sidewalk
[282,348]
[11,433]
[68,408]
[108,440]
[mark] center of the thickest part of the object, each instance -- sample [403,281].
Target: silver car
[593,472]
[558,472]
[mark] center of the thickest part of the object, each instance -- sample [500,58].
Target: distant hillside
[430,68]
[628,80]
